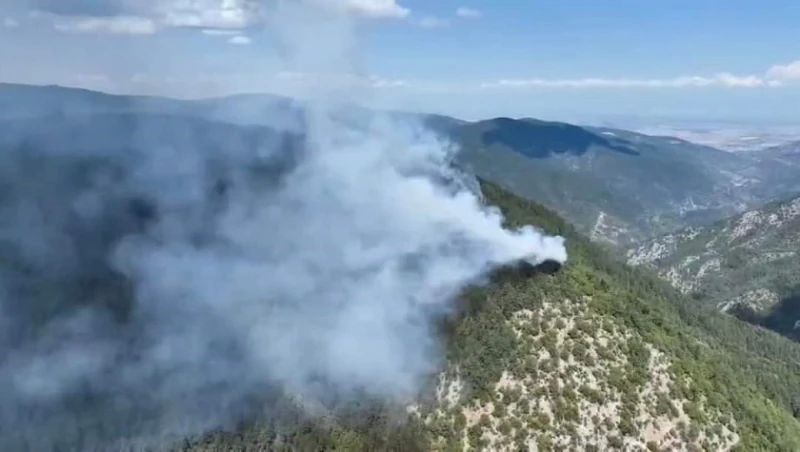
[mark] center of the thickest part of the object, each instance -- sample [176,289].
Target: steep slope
[598,356]
[747,265]
[616,185]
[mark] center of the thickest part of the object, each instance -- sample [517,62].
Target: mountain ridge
[617,186]
[746,265]
[625,187]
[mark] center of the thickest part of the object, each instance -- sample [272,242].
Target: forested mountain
[747,265]
[596,357]
[620,186]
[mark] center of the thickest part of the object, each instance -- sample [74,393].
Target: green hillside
[746,265]
[599,356]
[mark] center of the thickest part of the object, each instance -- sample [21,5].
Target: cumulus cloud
[775,76]
[468,13]
[149,16]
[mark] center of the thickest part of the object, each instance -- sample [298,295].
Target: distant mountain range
[616,186]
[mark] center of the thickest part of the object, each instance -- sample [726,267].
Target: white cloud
[777,75]
[10,22]
[433,22]
[376,9]
[240,40]
[131,25]
[785,73]
[220,14]
[468,13]
[148,16]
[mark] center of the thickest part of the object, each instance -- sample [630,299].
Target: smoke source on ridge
[158,273]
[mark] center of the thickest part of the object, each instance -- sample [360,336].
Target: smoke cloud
[159,272]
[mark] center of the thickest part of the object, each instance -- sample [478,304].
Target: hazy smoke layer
[157,273]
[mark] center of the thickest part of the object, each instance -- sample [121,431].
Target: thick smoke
[160,272]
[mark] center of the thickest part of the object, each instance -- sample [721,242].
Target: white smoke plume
[159,272]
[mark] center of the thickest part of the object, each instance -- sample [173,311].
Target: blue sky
[560,59]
